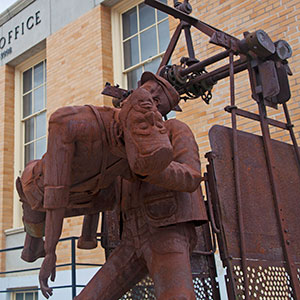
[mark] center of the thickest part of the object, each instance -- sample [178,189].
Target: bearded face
[147,143]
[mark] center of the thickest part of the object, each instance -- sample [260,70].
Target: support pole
[73,255]
[279,208]
[237,176]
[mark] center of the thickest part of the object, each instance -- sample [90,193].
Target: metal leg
[286,244]
[237,177]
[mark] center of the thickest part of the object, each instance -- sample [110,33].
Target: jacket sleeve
[58,161]
[184,173]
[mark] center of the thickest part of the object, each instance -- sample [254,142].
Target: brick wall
[280,19]
[79,63]
[6,152]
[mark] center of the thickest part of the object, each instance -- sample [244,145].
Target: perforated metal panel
[145,289]
[267,271]
[265,283]
[203,288]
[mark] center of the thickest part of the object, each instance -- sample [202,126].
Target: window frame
[33,115]
[20,128]
[117,41]
[33,291]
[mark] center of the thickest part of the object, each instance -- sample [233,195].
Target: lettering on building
[17,32]
[6,53]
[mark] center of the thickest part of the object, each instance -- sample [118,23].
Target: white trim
[18,153]
[117,50]
[32,61]
[13,231]
[19,136]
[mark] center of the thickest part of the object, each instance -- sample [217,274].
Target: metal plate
[262,233]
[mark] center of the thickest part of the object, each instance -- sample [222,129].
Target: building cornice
[110,3]
[14,10]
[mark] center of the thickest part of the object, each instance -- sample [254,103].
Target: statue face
[144,118]
[147,143]
[158,95]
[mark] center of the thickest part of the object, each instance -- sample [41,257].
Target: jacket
[173,195]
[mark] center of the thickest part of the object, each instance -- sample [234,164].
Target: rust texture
[264,250]
[161,202]
[252,182]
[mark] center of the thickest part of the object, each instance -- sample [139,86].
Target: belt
[132,213]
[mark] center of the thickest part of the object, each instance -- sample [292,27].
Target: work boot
[33,249]
[87,243]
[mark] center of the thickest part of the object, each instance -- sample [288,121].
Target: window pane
[161,15]
[45,104]
[39,99]
[131,52]
[153,65]
[133,78]
[19,296]
[27,81]
[148,43]
[129,23]
[45,69]
[29,154]
[36,295]
[40,148]
[40,125]
[29,130]
[164,35]
[147,16]
[27,105]
[29,296]
[38,74]
[171,114]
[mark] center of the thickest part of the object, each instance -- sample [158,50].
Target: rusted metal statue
[160,199]
[159,212]
[88,148]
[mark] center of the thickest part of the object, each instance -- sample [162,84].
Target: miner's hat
[169,90]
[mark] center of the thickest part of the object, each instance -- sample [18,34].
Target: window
[34,111]
[30,118]
[144,36]
[30,295]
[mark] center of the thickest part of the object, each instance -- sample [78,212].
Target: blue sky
[4,4]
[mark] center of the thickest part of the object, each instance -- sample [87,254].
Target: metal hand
[48,269]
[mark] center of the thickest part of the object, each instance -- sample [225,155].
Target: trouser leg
[168,260]
[34,222]
[120,273]
[88,239]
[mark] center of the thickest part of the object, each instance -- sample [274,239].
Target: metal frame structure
[268,69]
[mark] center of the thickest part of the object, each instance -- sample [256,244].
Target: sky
[4,4]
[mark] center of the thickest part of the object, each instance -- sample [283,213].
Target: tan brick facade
[79,62]
[6,152]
